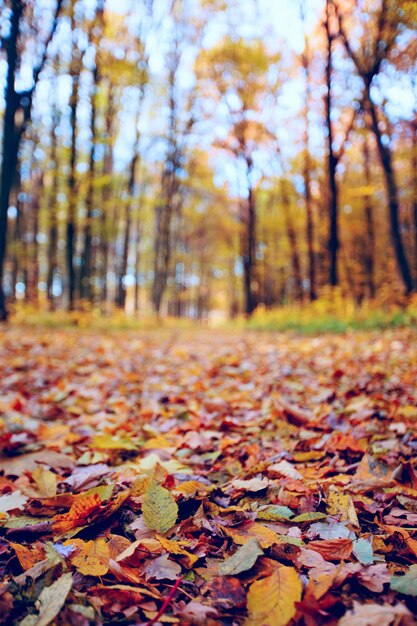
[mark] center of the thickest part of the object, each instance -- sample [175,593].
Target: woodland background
[207,158]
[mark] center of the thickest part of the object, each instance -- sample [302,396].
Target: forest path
[136,464]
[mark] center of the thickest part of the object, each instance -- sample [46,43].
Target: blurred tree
[387,21]
[18,105]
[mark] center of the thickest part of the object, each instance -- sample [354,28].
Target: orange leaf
[83,506]
[26,557]
[253,530]
[332,549]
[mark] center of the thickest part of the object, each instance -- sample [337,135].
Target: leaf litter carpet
[208,478]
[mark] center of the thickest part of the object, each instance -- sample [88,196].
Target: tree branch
[339,154]
[38,69]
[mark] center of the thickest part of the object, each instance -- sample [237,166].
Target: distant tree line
[165,161]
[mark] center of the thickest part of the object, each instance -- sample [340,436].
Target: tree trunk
[307,182]
[53,220]
[385,157]
[137,266]
[414,168]
[32,292]
[369,221]
[249,254]
[106,193]
[86,273]
[292,239]
[333,243]
[72,183]
[11,139]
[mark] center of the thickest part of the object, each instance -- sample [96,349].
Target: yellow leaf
[158,442]
[191,488]
[341,504]
[109,442]
[160,511]
[173,547]
[93,558]
[242,534]
[271,601]
[45,481]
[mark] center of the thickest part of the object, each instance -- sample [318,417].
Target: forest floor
[208,478]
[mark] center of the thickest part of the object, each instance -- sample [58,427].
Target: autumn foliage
[207,479]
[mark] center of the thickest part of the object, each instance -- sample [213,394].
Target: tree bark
[86,277]
[333,242]
[75,70]
[385,157]
[369,220]
[53,220]
[307,182]
[11,140]
[292,239]
[249,247]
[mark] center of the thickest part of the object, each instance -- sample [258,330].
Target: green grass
[334,315]
[312,321]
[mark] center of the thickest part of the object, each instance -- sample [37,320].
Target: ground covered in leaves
[208,478]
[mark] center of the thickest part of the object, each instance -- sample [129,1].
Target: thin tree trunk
[72,183]
[307,182]
[292,238]
[106,194]
[385,157]
[11,138]
[249,249]
[369,220]
[137,266]
[53,221]
[32,292]
[86,273]
[414,168]
[333,243]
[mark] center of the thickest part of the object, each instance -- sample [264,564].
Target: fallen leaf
[162,568]
[341,504]
[271,601]
[333,549]
[160,511]
[46,481]
[241,534]
[284,468]
[51,601]
[406,584]
[372,614]
[93,558]
[242,560]
[12,501]
[84,505]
